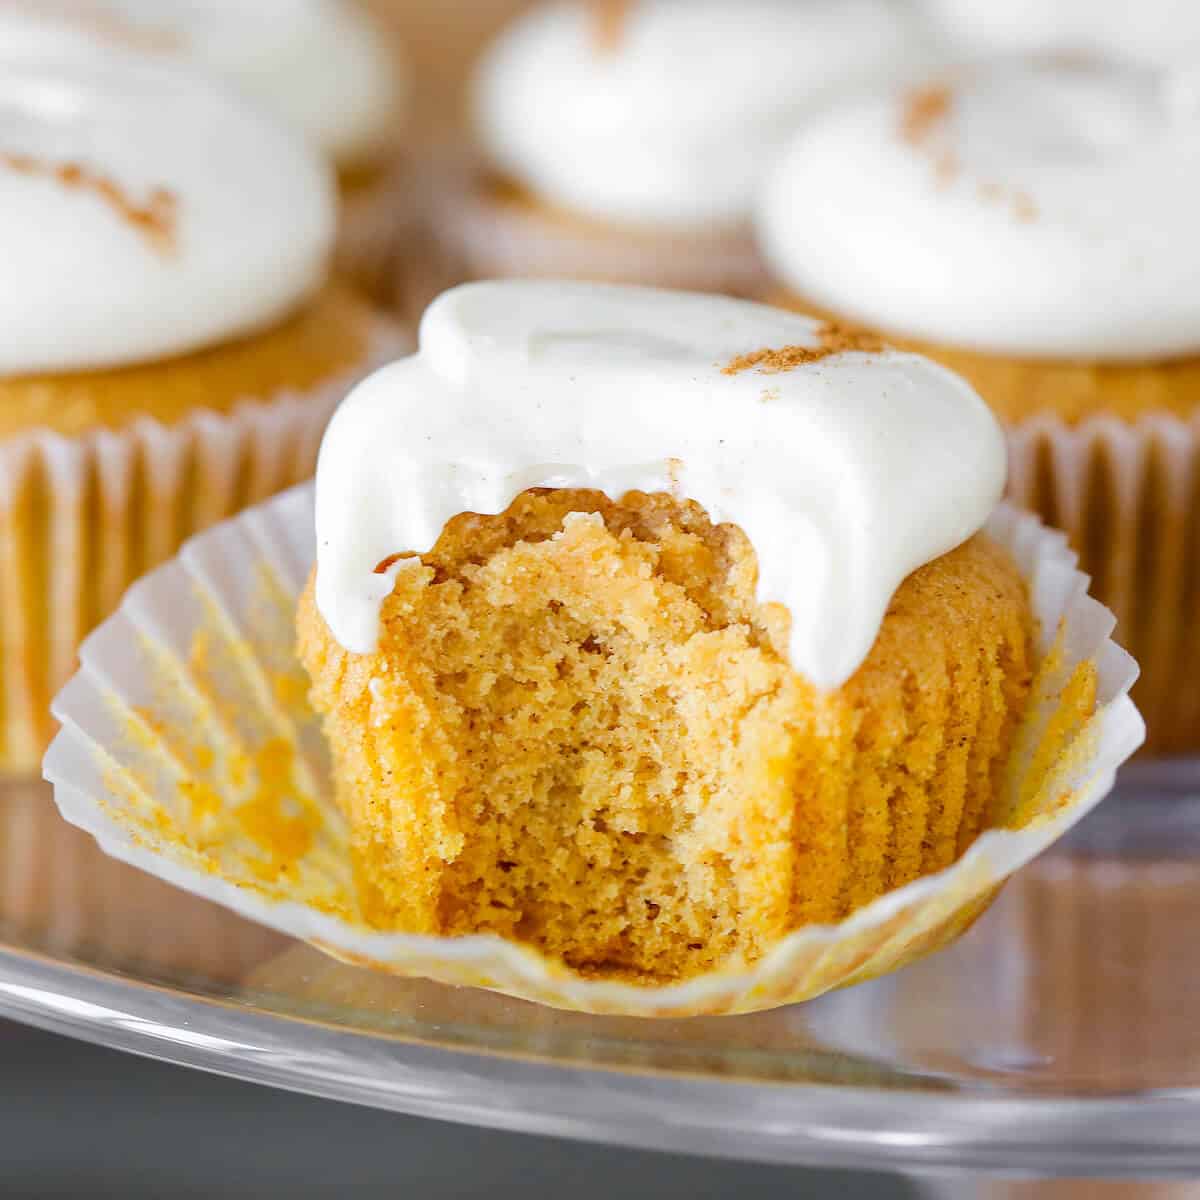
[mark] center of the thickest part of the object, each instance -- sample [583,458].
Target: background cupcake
[170,344]
[1031,226]
[325,67]
[625,141]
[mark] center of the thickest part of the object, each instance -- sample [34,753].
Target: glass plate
[1060,1036]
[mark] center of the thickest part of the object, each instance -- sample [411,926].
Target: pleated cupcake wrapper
[480,237]
[82,517]
[1127,494]
[188,749]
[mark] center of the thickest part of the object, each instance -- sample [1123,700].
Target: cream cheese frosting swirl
[675,121]
[1152,32]
[146,211]
[847,469]
[1035,209]
[320,65]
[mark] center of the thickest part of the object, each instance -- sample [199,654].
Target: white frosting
[677,123]
[250,221]
[321,65]
[1156,32]
[846,473]
[1051,212]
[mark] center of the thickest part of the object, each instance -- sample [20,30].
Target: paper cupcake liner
[188,749]
[82,517]
[60,893]
[379,230]
[480,237]
[1127,494]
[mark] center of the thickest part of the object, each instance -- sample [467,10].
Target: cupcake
[658,653]
[1158,33]
[626,141]
[651,718]
[1029,225]
[170,344]
[324,67]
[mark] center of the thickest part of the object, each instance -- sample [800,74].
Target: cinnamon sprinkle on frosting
[1023,207]
[609,18]
[156,220]
[833,338]
[924,109]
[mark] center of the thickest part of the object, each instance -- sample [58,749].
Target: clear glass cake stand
[1061,1037]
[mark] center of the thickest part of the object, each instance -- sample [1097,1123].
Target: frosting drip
[320,65]
[674,119]
[1025,208]
[145,212]
[847,471]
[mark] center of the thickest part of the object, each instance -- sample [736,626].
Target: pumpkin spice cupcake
[1029,225]
[672,658]
[650,719]
[325,67]
[625,141]
[170,343]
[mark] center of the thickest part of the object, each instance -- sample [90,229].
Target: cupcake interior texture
[651,727]
[580,730]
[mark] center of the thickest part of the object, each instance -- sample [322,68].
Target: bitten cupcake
[170,346]
[322,66]
[625,141]
[1031,226]
[1153,32]
[650,627]
[671,653]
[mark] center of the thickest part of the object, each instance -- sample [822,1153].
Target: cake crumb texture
[580,731]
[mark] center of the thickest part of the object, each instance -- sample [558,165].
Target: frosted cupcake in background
[1031,225]
[626,141]
[324,67]
[1152,32]
[171,345]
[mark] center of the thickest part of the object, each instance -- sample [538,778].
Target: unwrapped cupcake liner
[189,749]
[478,236]
[81,517]
[1127,494]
